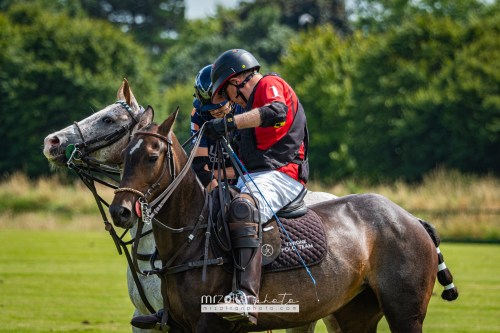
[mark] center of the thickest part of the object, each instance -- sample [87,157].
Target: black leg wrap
[243,221]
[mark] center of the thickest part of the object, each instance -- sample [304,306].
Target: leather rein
[148,213]
[86,165]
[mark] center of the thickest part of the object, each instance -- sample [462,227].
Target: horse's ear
[145,118]
[167,125]
[125,94]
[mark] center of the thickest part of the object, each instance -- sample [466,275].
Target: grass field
[74,281]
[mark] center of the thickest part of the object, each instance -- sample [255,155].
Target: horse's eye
[153,159]
[107,120]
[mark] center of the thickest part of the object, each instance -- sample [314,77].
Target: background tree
[55,69]
[399,103]
[153,22]
[261,27]
[380,15]
[300,13]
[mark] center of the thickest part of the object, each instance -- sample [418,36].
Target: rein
[159,201]
[74,153]
[146,208]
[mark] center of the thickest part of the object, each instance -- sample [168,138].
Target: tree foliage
[380,15]
[399,103]
[263,28]
[55,69]
[152,22]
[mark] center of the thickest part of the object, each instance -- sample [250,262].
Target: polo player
[273,148]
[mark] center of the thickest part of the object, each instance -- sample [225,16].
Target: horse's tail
[444,276]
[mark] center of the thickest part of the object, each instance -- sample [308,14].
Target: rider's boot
[148,322]
[243,218]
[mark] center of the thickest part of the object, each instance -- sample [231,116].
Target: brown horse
[381,260]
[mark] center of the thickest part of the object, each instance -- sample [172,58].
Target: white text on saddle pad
[300,244]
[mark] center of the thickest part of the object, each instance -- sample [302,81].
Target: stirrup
[241,299]
[158,327]
[237,316]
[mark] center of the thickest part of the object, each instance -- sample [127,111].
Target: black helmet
[229,64]
[203,93]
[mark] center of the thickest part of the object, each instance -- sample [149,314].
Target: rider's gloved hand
[215,128]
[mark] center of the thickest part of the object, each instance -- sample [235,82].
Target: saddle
[278,254]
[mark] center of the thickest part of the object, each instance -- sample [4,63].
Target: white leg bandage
[451,285]
[441,267]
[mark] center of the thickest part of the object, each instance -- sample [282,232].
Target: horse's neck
[182,209]
[147,243]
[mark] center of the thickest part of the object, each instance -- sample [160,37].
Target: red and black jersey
[280,143]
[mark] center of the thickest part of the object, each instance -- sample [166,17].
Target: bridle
[148,211]
[145,211]
[74,152]
[157,204]
[87,165]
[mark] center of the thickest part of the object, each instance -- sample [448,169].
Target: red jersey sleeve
[271,89]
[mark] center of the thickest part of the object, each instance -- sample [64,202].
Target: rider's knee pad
[243,210]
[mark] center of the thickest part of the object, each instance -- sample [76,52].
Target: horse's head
[148,162]
[105,121]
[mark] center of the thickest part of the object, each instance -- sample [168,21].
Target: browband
[168,140]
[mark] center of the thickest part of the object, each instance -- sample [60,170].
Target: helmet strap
[241,85]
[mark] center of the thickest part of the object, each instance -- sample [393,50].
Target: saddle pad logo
[300,245]
[267,250]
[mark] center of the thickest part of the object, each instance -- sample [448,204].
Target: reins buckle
[146,212]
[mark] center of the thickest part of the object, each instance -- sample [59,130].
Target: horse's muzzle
[122,216]
[54,150]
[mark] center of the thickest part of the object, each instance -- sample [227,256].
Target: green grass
[53,281]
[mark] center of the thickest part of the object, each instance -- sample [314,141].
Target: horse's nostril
[125,214]
[54,142]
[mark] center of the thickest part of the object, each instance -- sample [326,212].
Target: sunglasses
[223,91]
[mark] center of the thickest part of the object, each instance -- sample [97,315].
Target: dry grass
[460,206]
[48,204]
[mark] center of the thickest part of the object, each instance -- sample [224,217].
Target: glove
[215,128]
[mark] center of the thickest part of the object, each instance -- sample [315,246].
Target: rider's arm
[201,159]
[272,113]
[229,173]
[200,166]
